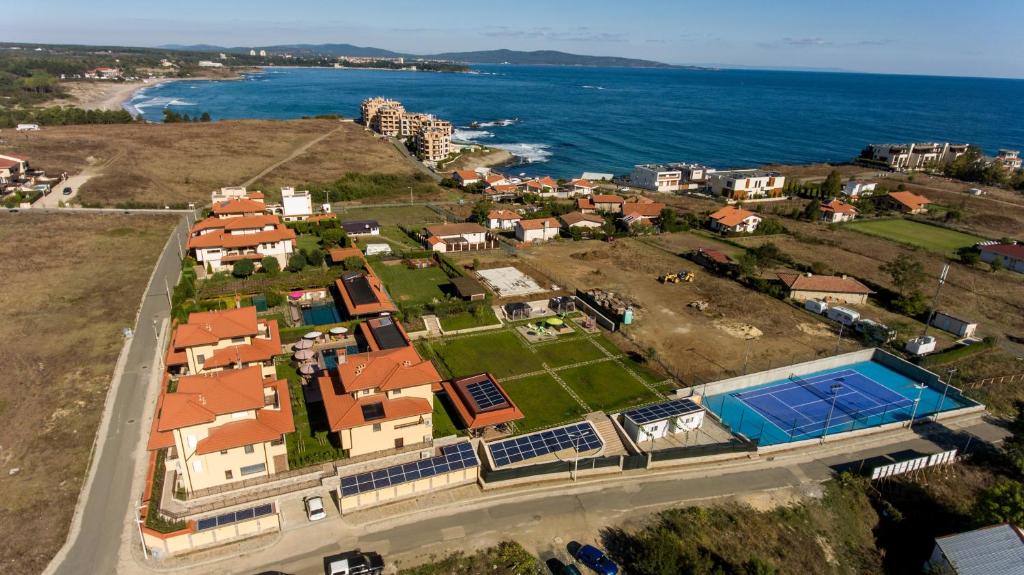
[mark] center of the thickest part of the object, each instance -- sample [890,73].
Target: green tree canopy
[270,265]
[906,273]
[296,262]
[832,185]
[243,268]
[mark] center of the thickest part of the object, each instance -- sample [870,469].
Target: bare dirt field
[71,282]
[167,164]
[696,346]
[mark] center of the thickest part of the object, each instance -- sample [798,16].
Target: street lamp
[576,460]
[142,538]
[945,390]
[920,389]
[828,420]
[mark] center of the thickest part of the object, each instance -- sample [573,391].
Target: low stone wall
[188,540]
[407,490]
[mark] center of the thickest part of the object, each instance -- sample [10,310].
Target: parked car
[66,191]
[570,570]
[315,508]
[355,563]
[596,560]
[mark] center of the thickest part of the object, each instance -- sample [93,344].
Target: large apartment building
[212,341]
[434,140]
[912,157]
[380,400]
[371,106]
[746,184]
[668,177]
[432,137]
[223,427]
[388,120]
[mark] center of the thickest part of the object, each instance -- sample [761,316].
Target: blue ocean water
[567,120]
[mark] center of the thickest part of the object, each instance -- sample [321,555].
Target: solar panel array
[234,517]
[662,411]
[452,458]
[486,395]
[509,451]
[358,288]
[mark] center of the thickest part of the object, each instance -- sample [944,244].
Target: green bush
[297,262]
[243,268]
[274,298]
[269,265]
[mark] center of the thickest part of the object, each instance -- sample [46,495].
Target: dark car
[596,559]
[66,191]
[569,570]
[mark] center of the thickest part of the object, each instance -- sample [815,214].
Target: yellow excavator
[683,276]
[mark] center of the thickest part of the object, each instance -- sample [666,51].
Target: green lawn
[466,320]
[932,238]
[404,215]
[569,352]
[311,442]
[606,386]
[543,401]
[412,286]
[307,242]
[444,422]
[501,353]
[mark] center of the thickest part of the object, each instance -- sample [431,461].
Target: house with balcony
[580,187]
[219,241]
[502,219]
[746,184]
[731,219]
[837,211]
[858,188]
[212,341]
[380,400]
[13,170]
[544,187]
[223,427]
[913,157]
[458,238]
[672,177]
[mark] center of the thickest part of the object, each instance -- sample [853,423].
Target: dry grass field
[161,164]
[70,283]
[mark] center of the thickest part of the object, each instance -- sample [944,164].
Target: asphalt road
[95,549]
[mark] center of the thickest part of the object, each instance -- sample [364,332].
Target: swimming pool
[320,314]
[331,355]
[865,394]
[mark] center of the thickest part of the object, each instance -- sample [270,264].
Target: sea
[566,120]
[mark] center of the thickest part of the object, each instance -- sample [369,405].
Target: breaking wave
[469,135]
[528,153]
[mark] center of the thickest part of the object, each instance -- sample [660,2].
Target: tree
[906,273]
[205,117]
[171,117]
[969,255]
[832,184]
[270,265]
[811,209]
[243,268]
[333,237]
[274,298]
[746,265]
[296,262]
[352,263]
[314,257]
[995,265]
[480,210]
[1001,503]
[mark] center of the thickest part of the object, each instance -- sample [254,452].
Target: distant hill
[537,58]
[546,58]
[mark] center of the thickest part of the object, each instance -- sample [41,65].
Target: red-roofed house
[235,207]
[837,211]
[580,220]
[12,169]
[581,187]
[538,230]
[607,203]
[803,287]
[466,177]
[223,427]
[906,202]
[731,219]
[1011,255]
[586,206]
[641,212]
[544,187]
[219,242]
[502,219]
[380,400]
[224,339]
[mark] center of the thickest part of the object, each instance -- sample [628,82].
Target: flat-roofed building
[858,188]
[219,340]
[412,123]
[671,177]
[380,400]
[746,184]
[371,106]
[297,205]
[1009,159]
[434,141]
[223,427]
[915,156]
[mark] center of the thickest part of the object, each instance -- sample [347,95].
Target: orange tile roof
[833,284]
[538,224]
[383,303]
[910,199]
[344,412]
[238,206]
[260,350]
[386,370]
[201,398]
[503,215]
[549,181]
[455,229]
[222,239]
[240,223]
[581,183]
[573,218]
[209,327]
[730,216]
[646,210]
[839,207]
[269,425]
[504,188]
[607,199]
[473,418]
[467,174]
[339,255]
[585,204]
[494,178]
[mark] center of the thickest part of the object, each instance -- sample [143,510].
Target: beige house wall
[202,471]
[362,440]
[190,541]
[850,298]
[409,489]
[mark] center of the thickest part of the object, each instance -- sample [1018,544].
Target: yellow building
[370,107]
[224,339]
[434,140]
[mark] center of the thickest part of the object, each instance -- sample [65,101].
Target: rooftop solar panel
[358,288]
[234,517]
[486,395]
[662,411]
[373,411]
[388,335]
[580,436]
[452,458]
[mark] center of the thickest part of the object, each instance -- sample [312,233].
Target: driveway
[55,197]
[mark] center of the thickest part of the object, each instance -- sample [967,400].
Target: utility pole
[935,300]
[945,390]
[828,420]
[576,460]
[839,339]
[920,389]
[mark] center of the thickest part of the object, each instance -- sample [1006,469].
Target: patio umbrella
[555,321]
[339,330]
[312,335]
[303,344]
[295,295]
[304,354]
[307,369]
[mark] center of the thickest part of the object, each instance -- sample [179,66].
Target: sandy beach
[100,95]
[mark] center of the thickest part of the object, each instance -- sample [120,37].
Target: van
[843,315]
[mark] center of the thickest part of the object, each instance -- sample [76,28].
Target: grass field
[925,236]
[309,443]
[159,164]
[412,286]
[606,386]
[568,352]
[391,216]
[443,422]
[501,353]
[71,282]
[307,242]
[466,320]
[543,401]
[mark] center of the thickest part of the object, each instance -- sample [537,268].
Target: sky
[937,37]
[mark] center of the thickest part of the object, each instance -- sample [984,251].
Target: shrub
[352,263]
[296,262]
[333,237]
[243,268]
[314,257]
[274,298]
[270,265]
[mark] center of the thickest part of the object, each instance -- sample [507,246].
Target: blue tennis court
[802,406]
[794,408]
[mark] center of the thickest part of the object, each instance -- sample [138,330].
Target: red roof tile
[832,284]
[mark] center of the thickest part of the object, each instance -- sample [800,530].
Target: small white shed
[663,419]
[377,249]
[954,325]
[921,345]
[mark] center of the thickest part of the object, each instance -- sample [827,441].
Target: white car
[315,508]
